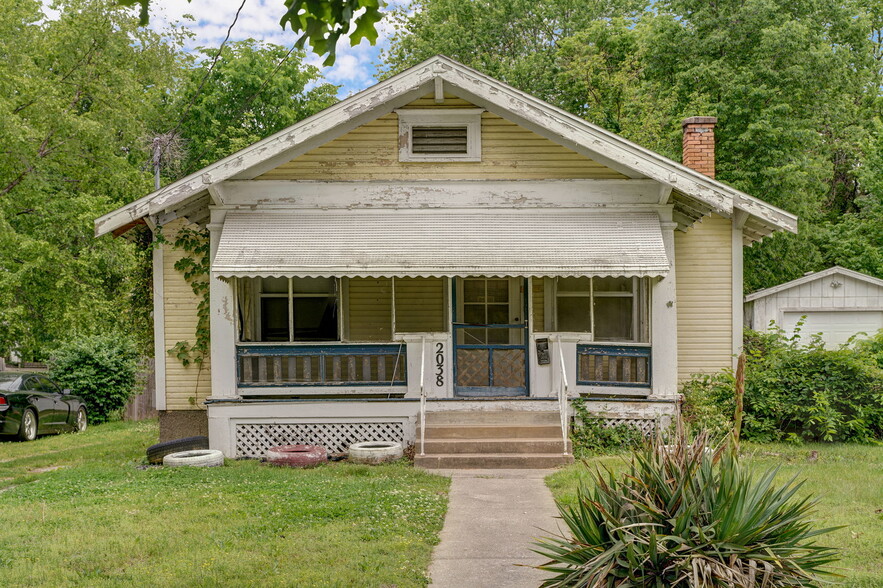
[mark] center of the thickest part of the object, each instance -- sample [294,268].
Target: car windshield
[9,381]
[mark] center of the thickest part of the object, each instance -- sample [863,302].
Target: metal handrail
[422,395]
[562,396]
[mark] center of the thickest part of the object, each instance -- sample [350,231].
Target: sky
[354,69]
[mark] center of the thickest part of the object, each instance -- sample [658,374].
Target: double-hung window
[299,309]
[612,309]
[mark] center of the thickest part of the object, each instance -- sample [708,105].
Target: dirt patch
[46,469]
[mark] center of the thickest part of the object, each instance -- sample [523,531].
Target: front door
[490,337]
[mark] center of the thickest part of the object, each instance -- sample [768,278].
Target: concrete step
[492,461]
[492,431]
[510,445]
[493,417]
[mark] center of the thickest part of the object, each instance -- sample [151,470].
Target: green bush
[796,392]
[682,515]
[102,369]
[590,436]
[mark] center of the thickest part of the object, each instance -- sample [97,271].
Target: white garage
[837,303]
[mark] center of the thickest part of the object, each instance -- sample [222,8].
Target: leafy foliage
[685,515]
[795,87]
[797,392]
[590,436]
[103,369]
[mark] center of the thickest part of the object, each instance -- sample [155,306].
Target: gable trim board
[812,277]
[564,128]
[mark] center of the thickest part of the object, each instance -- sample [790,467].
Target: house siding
[369,306]
[186,387]
[538,292]
[420,305]
[509,152]
[704,277]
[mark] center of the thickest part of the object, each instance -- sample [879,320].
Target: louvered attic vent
[439,140]
[440,135]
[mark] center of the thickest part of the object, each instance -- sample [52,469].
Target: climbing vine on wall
[195,268]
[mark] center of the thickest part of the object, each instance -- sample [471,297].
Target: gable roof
[831,271]
[694,195]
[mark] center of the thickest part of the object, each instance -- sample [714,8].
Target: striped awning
[412,243]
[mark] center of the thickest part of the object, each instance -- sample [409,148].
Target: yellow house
[444,249]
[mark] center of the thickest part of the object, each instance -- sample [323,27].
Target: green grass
[847,480]
[100,521]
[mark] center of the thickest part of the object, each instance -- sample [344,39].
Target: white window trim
[447,117]
[592,294]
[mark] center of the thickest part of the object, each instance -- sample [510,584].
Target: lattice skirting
[646,426]
[253,439]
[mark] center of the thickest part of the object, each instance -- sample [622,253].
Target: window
[299,309]
[612,309]
[439,135]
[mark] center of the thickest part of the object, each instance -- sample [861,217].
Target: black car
[32,404]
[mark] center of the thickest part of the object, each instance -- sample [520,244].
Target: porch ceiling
[408,243]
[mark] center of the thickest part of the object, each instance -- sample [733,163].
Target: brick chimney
[699,144]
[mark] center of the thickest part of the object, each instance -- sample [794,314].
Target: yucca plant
[686,515]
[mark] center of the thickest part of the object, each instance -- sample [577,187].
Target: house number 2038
[439,364]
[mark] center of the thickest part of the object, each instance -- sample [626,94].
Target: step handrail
[422,396]
[563,396]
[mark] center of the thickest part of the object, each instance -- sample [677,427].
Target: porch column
[221,320]
[664,321]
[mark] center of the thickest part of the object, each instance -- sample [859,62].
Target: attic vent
[439,139]
[440,135]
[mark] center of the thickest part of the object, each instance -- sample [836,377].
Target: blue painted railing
[613,365]
[261,365]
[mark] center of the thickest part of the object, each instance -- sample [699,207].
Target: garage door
[836,327]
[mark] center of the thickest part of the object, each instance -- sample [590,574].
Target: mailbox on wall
[543,352]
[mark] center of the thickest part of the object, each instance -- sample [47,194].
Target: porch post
[664,320]
[221,320]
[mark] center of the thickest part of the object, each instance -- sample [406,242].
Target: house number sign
[439,364]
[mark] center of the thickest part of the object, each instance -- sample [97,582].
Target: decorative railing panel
[609,365]
[321,365]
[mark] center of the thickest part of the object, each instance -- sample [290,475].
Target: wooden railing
[613,365]
[321,365]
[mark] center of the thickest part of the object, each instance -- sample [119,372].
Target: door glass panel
[472,337]
[498,314]
[473,314]
[498,291]
[473,291]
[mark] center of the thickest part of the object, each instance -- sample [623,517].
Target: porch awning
[412,243]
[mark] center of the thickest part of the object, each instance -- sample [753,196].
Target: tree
[254,90]
[77,95]
[320,22]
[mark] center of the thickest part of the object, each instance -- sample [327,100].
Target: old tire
[297,456]
[27,430]
[375,451]
[199,458]
[156,453]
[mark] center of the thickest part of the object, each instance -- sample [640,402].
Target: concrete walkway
[493,518]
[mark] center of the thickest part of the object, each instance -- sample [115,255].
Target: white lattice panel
[646,426]
[253,440]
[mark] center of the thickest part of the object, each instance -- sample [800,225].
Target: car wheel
[27,431]
[156,453]
[202,458]
[81,423]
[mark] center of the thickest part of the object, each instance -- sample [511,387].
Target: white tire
[201,458]
[375,452]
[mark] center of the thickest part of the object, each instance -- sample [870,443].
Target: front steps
[492,440]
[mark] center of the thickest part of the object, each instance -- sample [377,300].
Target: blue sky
[355,67]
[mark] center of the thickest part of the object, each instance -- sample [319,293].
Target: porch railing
[613,365]
[321,365]
[563,398]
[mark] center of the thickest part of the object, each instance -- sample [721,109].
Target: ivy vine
[195,268]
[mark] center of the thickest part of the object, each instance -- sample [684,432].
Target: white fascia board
[440,194]
[813,277]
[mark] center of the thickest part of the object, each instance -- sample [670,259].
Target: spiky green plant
[686,515]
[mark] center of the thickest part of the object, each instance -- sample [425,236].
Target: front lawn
[848,480]
[98,520]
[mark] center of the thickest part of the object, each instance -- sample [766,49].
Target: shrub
[102,369]
[682,515]
[796,392]
[590,435]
